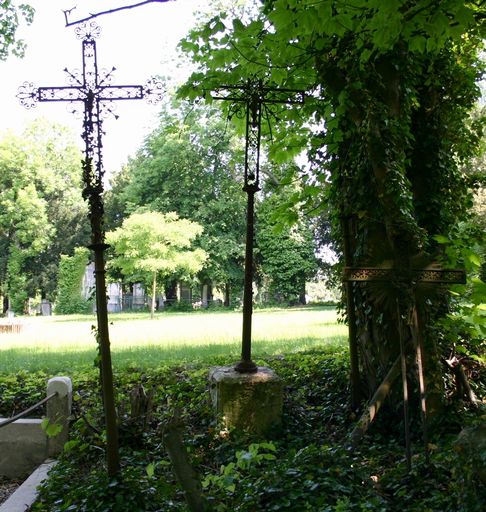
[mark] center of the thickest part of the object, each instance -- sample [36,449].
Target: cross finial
[88,31]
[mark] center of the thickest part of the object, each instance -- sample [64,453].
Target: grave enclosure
[24,444]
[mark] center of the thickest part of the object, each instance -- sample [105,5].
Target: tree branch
[110,11]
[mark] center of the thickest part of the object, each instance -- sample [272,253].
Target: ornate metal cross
[255,97]
[409,278]
[91,88]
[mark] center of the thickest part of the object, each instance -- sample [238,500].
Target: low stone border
[24,497]
[24,444]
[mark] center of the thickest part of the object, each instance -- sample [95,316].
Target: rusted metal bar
[22,414]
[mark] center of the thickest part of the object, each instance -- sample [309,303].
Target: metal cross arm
[426,275]
[90,82]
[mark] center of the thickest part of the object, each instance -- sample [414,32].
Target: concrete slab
[23,498]
[23,446]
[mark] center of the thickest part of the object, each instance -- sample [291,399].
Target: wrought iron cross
[409,279]
[91,88]
[255,97]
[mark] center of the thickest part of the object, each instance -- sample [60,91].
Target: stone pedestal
[58,412]
[250,401]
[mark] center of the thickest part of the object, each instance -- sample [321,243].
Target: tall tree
[390,87]
[150,245]
[286,252]
[41,210]
[191,165]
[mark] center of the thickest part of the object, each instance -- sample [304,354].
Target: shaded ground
[304,466]
[7,487]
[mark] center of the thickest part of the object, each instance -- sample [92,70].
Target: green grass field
[63,343]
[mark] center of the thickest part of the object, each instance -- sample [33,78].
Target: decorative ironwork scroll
[437,276]
[90,92]
[250,100]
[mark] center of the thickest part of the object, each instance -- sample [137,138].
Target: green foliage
[307,465]
[10,18]
[51,429]
[150,245]
[41,212]
[156,243]
[70,279]
[191,165]
[464,326]
[385,126]
[286,253]
[16,281]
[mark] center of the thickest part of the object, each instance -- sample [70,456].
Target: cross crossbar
[425,275]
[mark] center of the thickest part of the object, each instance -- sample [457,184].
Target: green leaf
[150,470]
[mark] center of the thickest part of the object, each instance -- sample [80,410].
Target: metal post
[246,365]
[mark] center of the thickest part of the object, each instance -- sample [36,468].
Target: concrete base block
[22,448]
[250,401]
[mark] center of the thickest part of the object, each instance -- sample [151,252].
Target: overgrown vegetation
[305,466]
[70,299]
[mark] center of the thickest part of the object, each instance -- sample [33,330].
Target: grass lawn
[63,343]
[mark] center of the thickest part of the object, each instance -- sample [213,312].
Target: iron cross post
[255,97]
[409,278]
[92,90]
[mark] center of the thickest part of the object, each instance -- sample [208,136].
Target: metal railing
[27,411]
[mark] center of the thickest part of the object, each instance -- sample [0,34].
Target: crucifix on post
[406,282]
[92,90]
[255,97]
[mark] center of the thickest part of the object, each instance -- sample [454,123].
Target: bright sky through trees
[139,42]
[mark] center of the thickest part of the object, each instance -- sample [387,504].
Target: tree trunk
[154,291]
[227,295]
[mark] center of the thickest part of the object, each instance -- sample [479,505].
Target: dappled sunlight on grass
[58,344]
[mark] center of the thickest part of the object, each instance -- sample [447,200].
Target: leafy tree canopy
[191,164]
[390,86]
[10,18]
[152,244]
[41,210]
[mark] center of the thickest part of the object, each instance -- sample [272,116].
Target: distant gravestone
[45,308]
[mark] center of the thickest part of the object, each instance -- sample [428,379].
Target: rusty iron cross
[254,96]
[92,90]
[409,278]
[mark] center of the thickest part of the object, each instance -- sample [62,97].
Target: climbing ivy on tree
[390,87]
[70,279]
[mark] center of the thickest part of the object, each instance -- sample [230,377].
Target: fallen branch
[183,470]
[110,11]
[375,403]
[462,382]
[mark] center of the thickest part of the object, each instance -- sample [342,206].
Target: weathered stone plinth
[250,401]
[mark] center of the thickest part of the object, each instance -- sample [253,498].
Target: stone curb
[27,493]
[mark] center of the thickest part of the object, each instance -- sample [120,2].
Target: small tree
[156,245]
